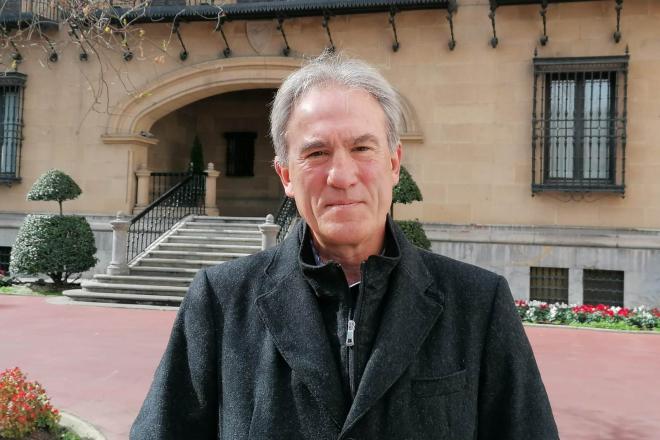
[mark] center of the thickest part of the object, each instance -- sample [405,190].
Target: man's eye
[318,153]
[362,148]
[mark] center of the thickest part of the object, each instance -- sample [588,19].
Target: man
[345,330]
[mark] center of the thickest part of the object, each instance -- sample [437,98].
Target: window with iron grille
[240,153]
[11,115]
[548,284]
[579,124]
[5,253]
[603,287]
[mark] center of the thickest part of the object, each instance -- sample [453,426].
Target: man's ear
[395,160]
[285,177]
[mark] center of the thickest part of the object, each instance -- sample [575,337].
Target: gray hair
[333,69]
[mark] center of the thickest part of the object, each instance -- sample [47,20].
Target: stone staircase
[161,275]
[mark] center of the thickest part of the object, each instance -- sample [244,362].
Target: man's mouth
[342,203]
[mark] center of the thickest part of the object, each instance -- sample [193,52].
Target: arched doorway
[131,122]
[233,131]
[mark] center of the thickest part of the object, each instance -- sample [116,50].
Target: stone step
[177,263]
[221,225]
[189,255]
[210,231]
[212,239]
[202,247]
[124,298]
[142,280]
[156,271]
[228,219]
[144,289]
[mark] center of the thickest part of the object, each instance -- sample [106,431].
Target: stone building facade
[536,153]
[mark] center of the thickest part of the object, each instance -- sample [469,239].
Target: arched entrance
[131,125]
[232,129]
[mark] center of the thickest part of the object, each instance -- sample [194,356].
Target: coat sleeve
[183,401]
[513,403]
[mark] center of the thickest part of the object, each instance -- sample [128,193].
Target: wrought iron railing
[183,199]
[161,182]
[36,9]
[287,216]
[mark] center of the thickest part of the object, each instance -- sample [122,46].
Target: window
[579,124]
[5,253]
[240,153]
[11,113]
[603,287]
[548,284]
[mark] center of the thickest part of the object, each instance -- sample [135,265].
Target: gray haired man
[345,330]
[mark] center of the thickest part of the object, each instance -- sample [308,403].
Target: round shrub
[415,233]
[55,186]
[59,246]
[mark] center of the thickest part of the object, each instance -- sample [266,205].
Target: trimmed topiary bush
[56,245]
[407,191]
[197,156]
[56,186]
[415,233]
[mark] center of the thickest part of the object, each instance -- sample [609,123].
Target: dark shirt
[361,303]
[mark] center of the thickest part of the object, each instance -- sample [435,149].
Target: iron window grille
[603,287]
[548,284]
[11,124]
[240,153]
[579,120]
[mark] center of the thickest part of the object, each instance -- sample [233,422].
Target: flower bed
[26,412]
[601,316]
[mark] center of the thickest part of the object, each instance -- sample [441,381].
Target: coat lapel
[412,310]
[291,314]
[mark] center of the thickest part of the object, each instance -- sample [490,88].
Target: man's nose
[343,170]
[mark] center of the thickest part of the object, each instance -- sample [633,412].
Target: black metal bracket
[52,56]
[618,7]
[395,45]
[326,25]
[452,8]
[493,7]
[128,53]
[544,10]
[183,55]
[226,51]
[83,56]
[280,27]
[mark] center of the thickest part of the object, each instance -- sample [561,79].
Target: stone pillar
[143,178]
[211,179]
[269,231]
[575,286]
[119,264]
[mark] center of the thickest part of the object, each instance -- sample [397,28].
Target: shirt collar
[327,277]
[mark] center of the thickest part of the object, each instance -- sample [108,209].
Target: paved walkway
[97,363]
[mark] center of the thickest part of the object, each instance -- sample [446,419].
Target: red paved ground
[98,362]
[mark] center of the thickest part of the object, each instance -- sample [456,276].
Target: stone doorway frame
[131,119]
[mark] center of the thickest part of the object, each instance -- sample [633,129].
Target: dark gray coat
[249,358]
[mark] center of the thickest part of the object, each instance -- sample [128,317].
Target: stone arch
[411,131]
[136,114]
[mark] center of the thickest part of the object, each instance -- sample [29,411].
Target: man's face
[340,170]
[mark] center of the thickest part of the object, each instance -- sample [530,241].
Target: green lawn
[33,290]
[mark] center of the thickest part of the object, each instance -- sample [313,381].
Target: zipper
[350,331]
[350,343]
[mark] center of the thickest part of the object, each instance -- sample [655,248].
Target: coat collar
[291,313]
